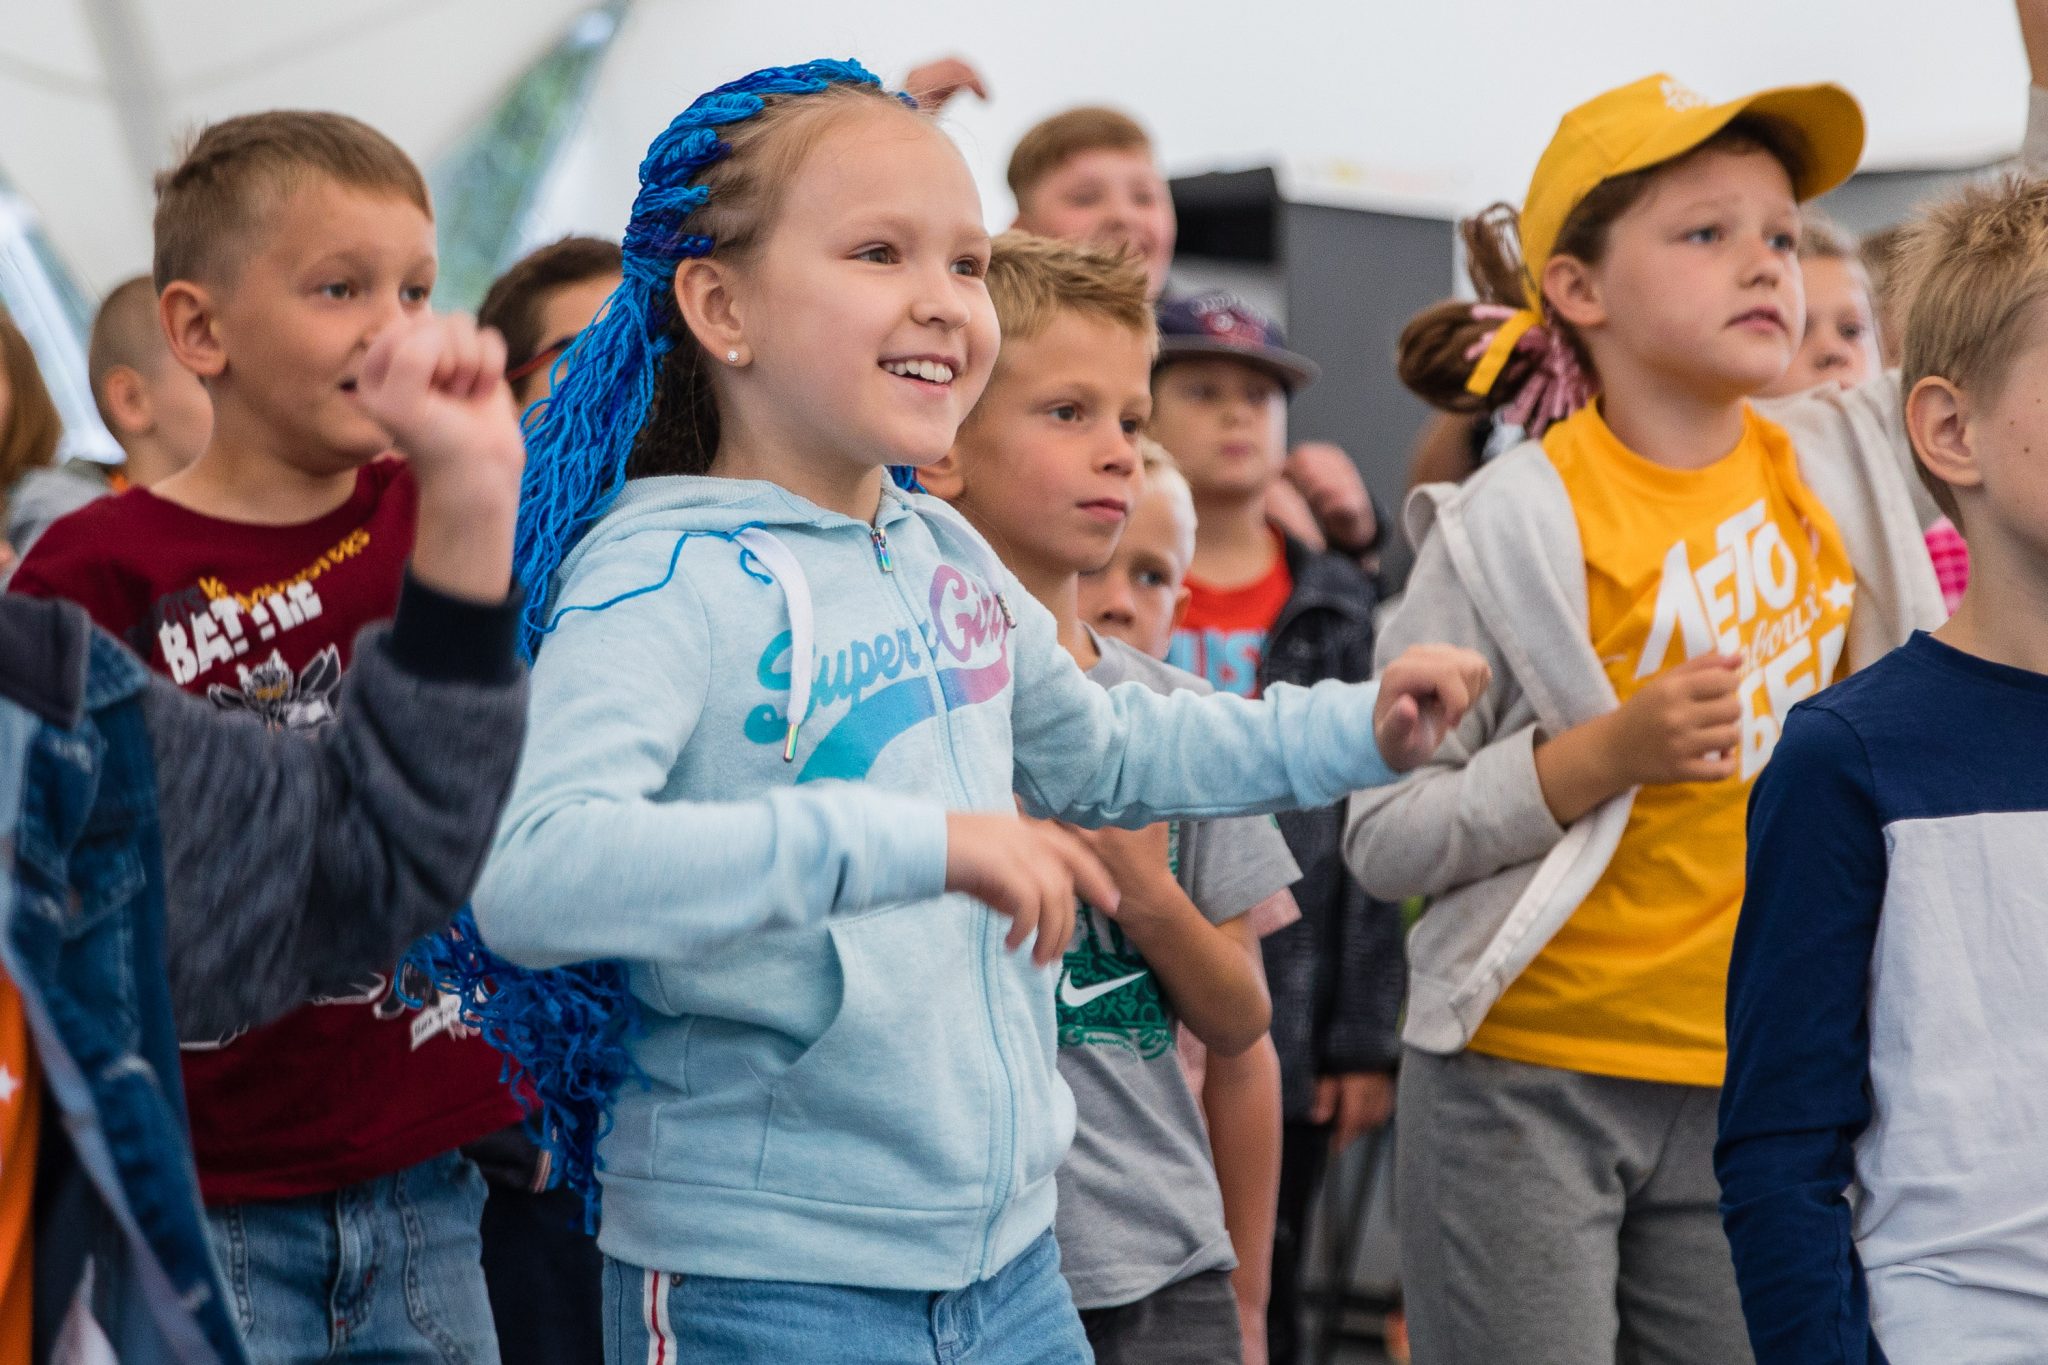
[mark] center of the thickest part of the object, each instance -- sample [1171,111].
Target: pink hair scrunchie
[1555,388]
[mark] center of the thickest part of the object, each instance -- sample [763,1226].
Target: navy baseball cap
[1226,326]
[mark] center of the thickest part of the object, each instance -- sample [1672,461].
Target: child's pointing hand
[1423,694]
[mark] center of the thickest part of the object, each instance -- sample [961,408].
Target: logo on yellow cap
[1679,98]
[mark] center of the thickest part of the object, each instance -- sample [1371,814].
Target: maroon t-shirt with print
[261,619]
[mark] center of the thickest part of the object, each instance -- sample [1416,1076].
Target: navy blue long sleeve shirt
[1882,1035]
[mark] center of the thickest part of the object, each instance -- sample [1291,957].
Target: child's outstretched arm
[2033,16]
[296,863]
[1796,1093]
[1132,757]
[592,863]
[596,860]
[1854,455]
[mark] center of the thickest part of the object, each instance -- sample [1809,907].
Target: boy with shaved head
[155,407]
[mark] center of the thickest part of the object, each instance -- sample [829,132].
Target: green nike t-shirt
[1139,1207]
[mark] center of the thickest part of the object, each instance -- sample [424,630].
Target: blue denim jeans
[385,1271]
[1021,1315]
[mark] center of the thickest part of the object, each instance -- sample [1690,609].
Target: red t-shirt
[262,618]
[1223,636]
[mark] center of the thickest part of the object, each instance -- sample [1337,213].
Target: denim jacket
[84,944]
[134,905]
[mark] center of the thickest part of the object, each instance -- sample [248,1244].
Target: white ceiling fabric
[96,95]
[1428,105]
[1440,105]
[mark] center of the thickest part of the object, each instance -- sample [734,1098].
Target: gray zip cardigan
[1501,571]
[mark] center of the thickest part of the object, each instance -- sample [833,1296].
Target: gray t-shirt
[1139,1207]
[41,496]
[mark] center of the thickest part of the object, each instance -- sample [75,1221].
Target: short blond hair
[1163,471]
[1033,280]
[1052,142]
[1822,239]
[1156,458]
[1878,253]
[238,169]
[1972,269]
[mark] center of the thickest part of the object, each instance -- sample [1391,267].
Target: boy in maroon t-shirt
[343,1216]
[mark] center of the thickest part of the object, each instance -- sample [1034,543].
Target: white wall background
[1442,104]
[97,95]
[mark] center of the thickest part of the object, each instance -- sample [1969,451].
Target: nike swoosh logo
[1074,998]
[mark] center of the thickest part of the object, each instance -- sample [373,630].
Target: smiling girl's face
[866,322]
[1699,287]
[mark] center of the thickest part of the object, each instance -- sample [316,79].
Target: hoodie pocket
[892,1105]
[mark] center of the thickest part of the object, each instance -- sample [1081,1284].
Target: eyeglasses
[542,358]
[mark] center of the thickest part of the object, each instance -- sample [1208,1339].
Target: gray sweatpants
[1190,1322]
[1554,1218]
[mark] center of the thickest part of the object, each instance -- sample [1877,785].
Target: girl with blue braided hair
[783,714]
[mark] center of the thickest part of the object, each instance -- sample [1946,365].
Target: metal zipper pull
[881,540]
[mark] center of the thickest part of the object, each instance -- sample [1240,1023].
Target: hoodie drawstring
[788,572]
[778,564]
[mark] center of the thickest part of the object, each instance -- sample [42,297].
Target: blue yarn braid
[580,438]
[566,1033]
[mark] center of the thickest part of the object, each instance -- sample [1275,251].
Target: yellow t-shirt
[1738,557]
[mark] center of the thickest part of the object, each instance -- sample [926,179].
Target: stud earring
[732,357]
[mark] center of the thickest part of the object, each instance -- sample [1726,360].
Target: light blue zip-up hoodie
[853,1082]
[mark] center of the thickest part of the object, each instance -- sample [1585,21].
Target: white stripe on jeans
[654,1314]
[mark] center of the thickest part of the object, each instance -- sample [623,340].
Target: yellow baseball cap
[1656,119]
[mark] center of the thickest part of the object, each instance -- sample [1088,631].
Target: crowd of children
[909,812]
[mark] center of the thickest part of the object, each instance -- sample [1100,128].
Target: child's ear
[705,299]
[186,313]
[1572,292]
[944,477]
[125,399]
[1938,422]
[1182,595]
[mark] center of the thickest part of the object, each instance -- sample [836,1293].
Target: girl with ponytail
[746,936]
[1657,570]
